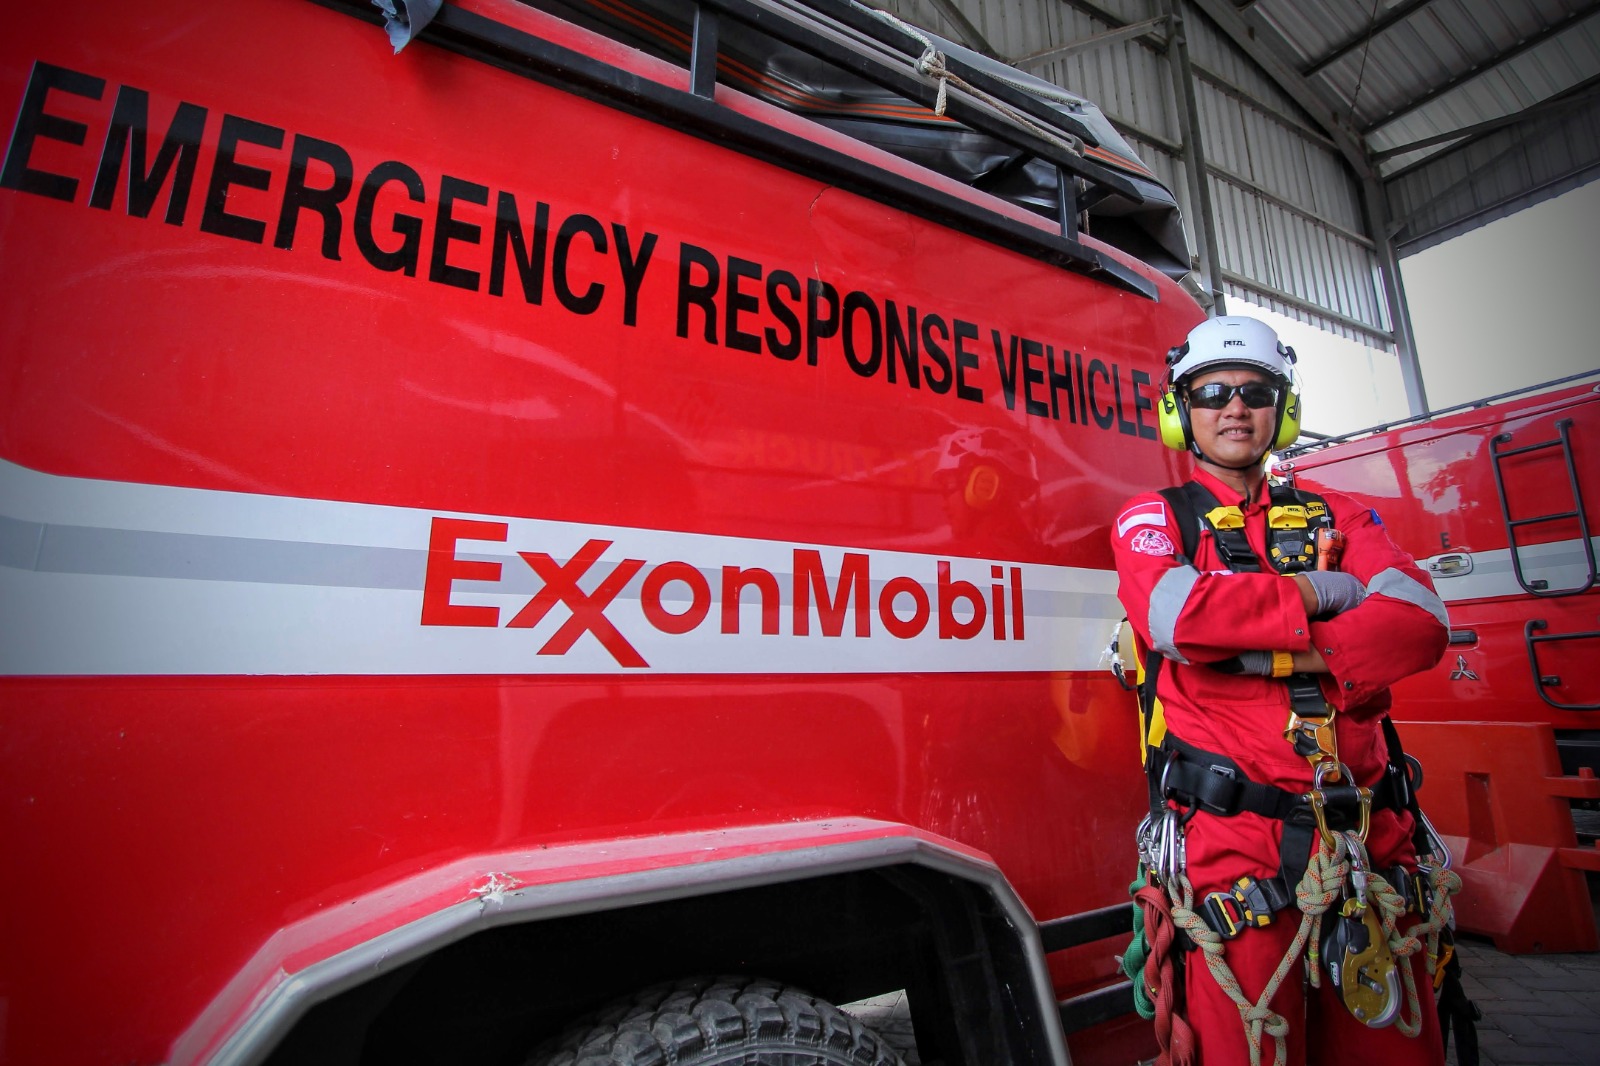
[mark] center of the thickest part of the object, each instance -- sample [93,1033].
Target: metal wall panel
[1430,48]
[1290,227]
[1492,177]
[1212,51]
[1520,82]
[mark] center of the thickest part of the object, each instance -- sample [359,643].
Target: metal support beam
[1098,13]
[1578,95]
[1204,219]
[1251,39]
[1483,67]
[1376,338]
[1269,197]
[1391,18]
[1084,44]
[1394,294]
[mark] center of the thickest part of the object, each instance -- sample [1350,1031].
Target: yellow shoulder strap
[1152,725]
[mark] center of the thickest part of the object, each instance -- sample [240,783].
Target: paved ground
[1538,1010]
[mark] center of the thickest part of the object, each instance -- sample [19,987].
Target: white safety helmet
[1230,340]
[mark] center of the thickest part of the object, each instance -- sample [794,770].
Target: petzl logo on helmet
[1231,343]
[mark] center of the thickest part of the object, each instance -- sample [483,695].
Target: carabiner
[1338,771]
[1171,854]
[1317,801]
[1142,841]
[1440,849]
[1355,851]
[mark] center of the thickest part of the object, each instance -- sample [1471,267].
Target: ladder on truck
[1534,632]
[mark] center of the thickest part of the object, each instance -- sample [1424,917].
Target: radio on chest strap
[1293,518]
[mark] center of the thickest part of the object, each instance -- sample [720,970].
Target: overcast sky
[1508,305]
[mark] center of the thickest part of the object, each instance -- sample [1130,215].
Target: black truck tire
[717,1021]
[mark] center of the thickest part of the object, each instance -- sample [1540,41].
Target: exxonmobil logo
[337,587]
[810,594]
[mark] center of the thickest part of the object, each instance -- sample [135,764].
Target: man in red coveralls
[1228,637]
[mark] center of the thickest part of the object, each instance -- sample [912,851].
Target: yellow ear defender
[1288,417]
[1172,421]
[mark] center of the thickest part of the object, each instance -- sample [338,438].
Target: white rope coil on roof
[931,64]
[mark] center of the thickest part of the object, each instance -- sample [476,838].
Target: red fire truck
[1496,500]
[603,498]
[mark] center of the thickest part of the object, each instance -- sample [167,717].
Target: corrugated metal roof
[1460,110]
[1434,74]
[1290,230]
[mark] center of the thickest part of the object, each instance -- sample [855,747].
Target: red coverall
[1202,614]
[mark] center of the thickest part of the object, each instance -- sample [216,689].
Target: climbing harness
[1350,912]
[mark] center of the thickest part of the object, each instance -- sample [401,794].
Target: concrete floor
[1538,1010]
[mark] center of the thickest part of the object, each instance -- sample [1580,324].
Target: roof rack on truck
[881,81]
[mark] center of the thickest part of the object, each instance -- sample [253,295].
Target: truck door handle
[1451,564]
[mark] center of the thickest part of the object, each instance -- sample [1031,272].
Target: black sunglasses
[1216,395]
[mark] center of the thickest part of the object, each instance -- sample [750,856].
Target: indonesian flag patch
[1144,514]
[1152,542]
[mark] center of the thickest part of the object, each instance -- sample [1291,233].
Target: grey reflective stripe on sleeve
[1402,586]
[1166,603]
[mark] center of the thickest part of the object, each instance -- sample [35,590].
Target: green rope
[1134,958]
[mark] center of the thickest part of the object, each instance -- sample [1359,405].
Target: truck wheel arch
[843,908]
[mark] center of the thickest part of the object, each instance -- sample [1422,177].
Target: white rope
[931,64]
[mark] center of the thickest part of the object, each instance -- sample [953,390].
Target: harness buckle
[1312,737]
[1241,907]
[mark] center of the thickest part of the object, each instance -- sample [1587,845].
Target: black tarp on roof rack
[1121,201]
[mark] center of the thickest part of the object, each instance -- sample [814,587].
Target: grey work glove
[1336,592]
[1256,662]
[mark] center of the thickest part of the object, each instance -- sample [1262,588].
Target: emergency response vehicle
[1496,500]
[602,504]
